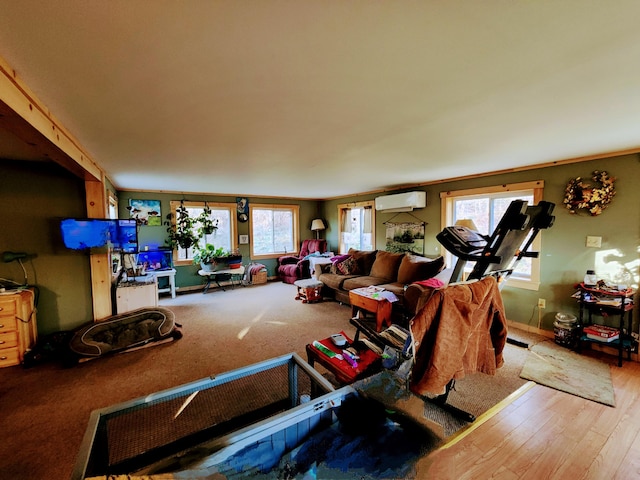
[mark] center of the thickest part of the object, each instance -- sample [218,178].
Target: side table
[221,276]
[171,275]
[369,363]
[361,299]
[597,301]
[313,261]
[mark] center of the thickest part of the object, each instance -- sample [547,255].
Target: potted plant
[181,234]
[209,257]
[234,259]
[207,224]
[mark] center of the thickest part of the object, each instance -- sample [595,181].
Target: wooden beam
[100,264]
[23,114]
[29,119]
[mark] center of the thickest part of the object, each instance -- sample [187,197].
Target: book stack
[601,333]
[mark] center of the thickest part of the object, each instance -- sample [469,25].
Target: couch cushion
[334,280]
[386,265]
[361,281]
[365,259]
[414,268]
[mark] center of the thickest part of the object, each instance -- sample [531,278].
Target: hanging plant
[207,224]
[583,196]
[181,233]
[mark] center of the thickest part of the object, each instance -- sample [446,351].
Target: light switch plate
[595,242]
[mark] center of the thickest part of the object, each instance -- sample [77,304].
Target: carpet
[556,367]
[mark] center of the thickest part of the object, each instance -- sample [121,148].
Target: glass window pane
[272,230]
[222,237]
[476,209]
[486,211]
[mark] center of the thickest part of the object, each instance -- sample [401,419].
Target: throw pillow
[365,260]
[348,266]
[386,265]
[414,268]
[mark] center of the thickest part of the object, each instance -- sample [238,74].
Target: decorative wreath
[582,196]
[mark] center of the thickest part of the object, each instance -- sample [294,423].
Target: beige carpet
[559,368]
[47,407]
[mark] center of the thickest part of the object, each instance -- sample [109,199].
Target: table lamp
[316,226]
[467,222]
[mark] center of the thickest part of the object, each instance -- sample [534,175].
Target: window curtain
[366,220]
[346,220]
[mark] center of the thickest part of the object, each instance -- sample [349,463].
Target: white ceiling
[319,99]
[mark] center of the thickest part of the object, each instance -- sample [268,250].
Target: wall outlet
[542,303]
[594,242]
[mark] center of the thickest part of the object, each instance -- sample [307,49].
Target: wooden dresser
[18,328]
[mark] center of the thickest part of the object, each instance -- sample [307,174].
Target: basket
[259,278]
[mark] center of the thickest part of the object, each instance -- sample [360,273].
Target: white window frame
[347,207]
[535,188]
[233,227]
[112,205]
[295,229]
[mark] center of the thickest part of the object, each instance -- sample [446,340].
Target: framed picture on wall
[243,240]
[146,212]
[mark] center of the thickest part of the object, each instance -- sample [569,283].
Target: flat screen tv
[126,240]
[99,234]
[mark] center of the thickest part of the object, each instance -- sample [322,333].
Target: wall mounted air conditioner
[401,202]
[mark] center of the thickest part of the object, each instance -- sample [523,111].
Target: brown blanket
[461,329]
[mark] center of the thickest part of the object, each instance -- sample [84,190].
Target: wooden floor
[546,434]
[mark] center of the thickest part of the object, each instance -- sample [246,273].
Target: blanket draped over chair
[461,329]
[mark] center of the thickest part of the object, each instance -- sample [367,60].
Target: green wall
[36,195]
[187,276]
[565,258]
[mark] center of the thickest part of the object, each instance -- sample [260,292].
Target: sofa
[394,272]
[296,267]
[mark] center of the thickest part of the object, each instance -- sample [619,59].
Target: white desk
[221,276]
[171,275]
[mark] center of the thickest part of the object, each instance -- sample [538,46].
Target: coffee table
[363,299]
[369,363]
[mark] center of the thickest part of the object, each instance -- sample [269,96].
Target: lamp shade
[317,224]
[467,222]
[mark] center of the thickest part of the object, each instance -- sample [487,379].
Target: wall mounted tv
[100,234]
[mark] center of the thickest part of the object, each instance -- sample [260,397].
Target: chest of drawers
[18,330]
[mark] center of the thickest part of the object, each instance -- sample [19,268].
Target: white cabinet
[134,295]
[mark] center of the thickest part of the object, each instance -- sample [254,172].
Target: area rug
[556,367]
[478,394]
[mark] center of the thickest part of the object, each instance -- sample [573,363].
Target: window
[274,230]
[486,206]
[224,236]
[112,205]
[357,221]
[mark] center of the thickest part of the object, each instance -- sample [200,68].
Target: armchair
[291,268]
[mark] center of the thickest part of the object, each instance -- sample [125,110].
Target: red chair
[292,268]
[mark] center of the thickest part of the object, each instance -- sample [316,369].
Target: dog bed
[124,331]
